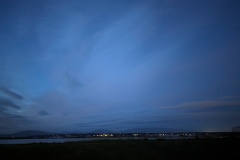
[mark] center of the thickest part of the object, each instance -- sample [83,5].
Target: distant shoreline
[73,140]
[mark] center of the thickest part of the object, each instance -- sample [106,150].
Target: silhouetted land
[204,149]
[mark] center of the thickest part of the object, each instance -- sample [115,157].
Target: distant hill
[153,130]
[99,131]
[26,133]
[29,133]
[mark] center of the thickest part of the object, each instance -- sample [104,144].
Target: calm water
[55,140]
[63,140]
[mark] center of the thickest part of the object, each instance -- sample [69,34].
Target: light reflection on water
[64,140]
[54,140]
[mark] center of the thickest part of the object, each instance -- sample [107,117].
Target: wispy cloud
[204,104]
[43,113]
[72,81]
[11,93]
[6,103]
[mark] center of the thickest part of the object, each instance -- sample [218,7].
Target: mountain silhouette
[26,133]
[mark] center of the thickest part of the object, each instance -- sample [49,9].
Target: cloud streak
[11,93]
[43,113]
[204,104]
[6,103]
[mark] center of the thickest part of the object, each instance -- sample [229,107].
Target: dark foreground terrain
[225,148]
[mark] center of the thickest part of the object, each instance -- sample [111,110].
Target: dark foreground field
[204,149]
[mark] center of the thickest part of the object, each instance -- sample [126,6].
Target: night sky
[81,65]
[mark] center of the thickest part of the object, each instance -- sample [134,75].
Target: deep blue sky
[80,65]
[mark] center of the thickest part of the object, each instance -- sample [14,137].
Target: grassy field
[204,149]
